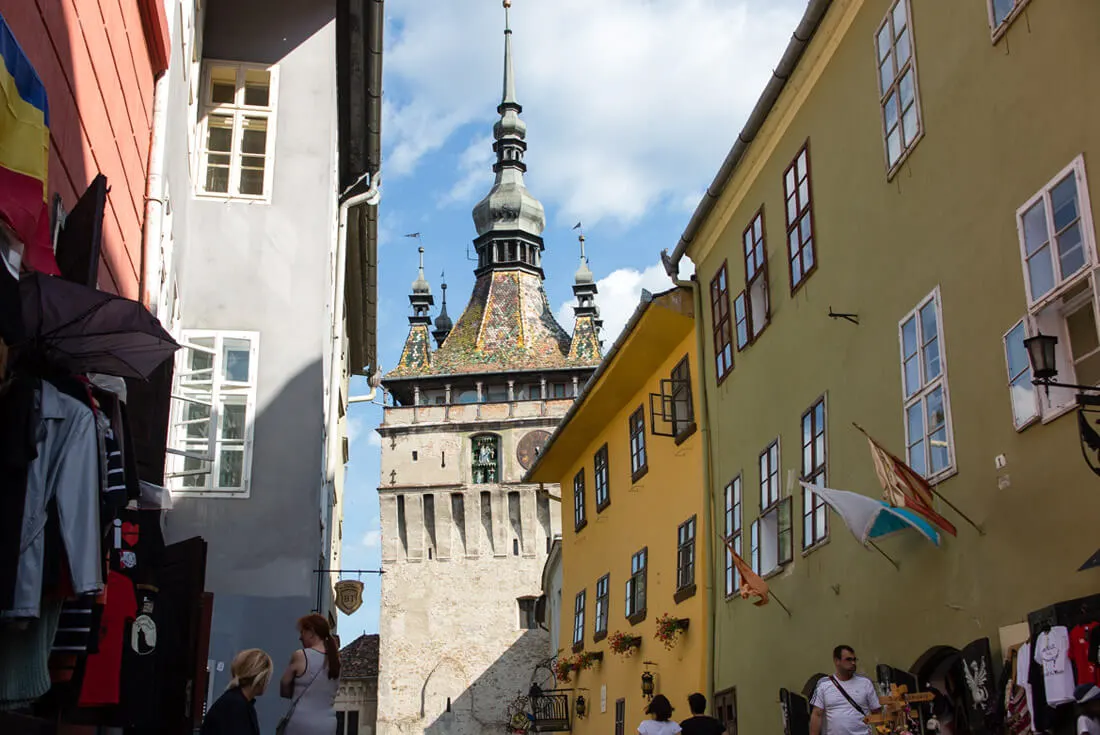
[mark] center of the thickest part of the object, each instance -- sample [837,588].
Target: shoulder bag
[280,729]
[847,696]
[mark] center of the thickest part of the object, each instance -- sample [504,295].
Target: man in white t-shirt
[842,701]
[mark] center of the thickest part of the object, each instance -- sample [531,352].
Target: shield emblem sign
[349,595]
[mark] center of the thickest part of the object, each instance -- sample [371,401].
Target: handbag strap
[307,686]
[847,696]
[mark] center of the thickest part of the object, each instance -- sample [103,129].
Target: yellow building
[635,534]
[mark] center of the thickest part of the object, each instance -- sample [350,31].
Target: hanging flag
[24,153]
[902,487]
[751,583]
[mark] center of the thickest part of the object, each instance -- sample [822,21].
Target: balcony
[473,412]
[550,712]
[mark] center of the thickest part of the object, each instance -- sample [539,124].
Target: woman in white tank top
[311,680]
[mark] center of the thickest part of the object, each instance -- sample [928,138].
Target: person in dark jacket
[235,711]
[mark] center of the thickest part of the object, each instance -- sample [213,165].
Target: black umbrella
[82,330]
[1092,562]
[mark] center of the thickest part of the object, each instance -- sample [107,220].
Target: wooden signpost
[896,715]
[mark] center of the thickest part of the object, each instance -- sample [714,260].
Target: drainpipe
[151,253]
[708,497]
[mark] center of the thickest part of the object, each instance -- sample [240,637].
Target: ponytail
[320,628]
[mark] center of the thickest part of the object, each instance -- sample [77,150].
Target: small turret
[418,345]
[586,329]
[443,323]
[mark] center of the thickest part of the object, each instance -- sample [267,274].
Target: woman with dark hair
[661,724]
[311,680]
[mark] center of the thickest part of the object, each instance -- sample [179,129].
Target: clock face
[529,447]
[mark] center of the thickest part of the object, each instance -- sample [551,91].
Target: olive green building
[908,202]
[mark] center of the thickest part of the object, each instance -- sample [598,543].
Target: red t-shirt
[103,670]
[1087,672]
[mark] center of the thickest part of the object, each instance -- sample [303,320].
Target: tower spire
[509,220]
[586,327]
[443,323]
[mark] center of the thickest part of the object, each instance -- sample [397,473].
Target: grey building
[264,179]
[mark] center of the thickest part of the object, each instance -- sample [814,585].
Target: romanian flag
[24,153]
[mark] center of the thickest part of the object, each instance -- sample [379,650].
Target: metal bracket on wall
[853,318]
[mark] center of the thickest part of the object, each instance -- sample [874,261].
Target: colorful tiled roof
[359,659]
[507,325]
[416,357]
[586,340]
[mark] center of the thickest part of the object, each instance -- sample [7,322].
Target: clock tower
[463,540]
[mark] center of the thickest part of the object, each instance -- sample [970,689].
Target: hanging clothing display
[24,653]
[1087,670]
[17,450]
[1052,653]
[66,471]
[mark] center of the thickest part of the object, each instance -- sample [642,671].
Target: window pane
[1040,273]
[1001,10]
[886,74]
[252,181]
[894,146]
[254,138]
[937,416]
[804,198]
[232,467]
[201,363]
[200,415]
[903,47]
[882,41]
[910,126]
[804,228]
[233,421]
[890,111]
[906,89]
[941,458]
[1071,255]
[788,182]
[223,85]
[915,426]
[1035,227]
[929,333]
[803,166]
[1015,353]
[792,207]
[1063,202]
[1025,402]
[219,135]
[236,359]
[257,87]
[1081,326]
[899,18]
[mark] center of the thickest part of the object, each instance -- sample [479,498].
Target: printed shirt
[841,718]
[652,727]
[1052,652]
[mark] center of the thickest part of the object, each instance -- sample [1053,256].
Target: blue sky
[630,108]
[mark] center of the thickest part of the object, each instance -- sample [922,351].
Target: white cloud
[353,428]
[472,165]
[374,439]
[630,105]
[619,295]
[372,539]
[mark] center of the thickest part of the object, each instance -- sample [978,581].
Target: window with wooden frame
[897,80]
[1022,393]
[1058,253]
[801,256]
[928,436]
[720,318]
[639,463]
[683,408]
[725,710]
[770,535]
[210,441]
[636,587]
[603,598]
[756,278]
[580,514]
[601,478]
[578,621]
[685,560]
[238,130]
[733,534]
[741,317]
[1002,13]
[815,514]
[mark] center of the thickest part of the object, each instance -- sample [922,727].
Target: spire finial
[421,251]
[508,96]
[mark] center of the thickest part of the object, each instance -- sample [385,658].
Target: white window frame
[219,389]
[894,87]
[1048,312]
[997,30]
[764,536]
[1025,374]
[603,602]
[1088,243]
[238,110]
[927,387]
[817,475]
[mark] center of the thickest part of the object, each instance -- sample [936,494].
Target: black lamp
[582,706]
[647,685]
[1041,354]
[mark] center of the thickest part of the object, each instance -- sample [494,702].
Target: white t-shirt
[841,718]
[1088,726]
[653,727]
[1023,667]
[1052,651]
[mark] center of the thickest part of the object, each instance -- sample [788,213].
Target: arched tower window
[485,455]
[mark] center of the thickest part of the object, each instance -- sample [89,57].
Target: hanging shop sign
[349,595]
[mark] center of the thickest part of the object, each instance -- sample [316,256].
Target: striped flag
[24,153]
[902,487]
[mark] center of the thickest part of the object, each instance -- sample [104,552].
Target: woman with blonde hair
[235,711]
[311,680]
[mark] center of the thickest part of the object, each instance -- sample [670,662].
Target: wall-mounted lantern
[582,706]
[647,685]
[1042,354]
